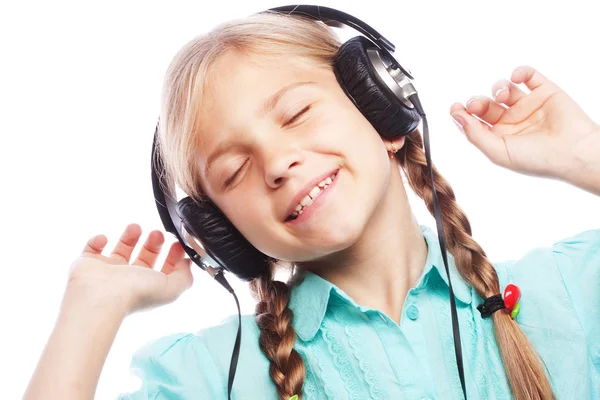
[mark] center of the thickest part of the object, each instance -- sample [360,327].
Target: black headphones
[383,92]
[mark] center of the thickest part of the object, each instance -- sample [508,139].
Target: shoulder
[582,249]
[176,366]
[211,346]
[559,280]
[220,339]
[577,253]
[187,363]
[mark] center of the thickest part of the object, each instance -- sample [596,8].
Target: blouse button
[412,312]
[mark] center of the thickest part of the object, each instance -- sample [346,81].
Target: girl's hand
[537,133]
[135,286]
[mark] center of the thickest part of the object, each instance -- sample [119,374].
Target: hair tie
[512,294]
[491,305]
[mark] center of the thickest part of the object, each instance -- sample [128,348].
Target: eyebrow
[267,106]
[270,104]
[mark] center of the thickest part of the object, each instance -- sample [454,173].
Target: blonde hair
[293,36]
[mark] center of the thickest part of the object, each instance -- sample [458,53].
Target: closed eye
[298,115]
[232,177]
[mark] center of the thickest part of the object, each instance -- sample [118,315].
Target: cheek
[250,222]
[362,141]
[245,213]
[345,127]
[350,120]
[249,215]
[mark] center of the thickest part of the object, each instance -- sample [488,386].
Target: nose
[280,165]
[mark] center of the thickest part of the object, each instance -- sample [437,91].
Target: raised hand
[537,133]
[137,285]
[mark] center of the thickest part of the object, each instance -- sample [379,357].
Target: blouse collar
[311,294]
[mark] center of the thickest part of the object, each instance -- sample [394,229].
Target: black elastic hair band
[491,305]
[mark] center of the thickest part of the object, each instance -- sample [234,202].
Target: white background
[79,97]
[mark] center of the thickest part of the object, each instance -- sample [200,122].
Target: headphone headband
[326,14]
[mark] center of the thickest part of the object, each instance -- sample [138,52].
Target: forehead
[238,84]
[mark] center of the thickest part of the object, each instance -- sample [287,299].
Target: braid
[523,368]
[277,335]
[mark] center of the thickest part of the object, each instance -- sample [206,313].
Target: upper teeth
[313,194]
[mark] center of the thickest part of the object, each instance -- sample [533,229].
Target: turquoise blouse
[356,352]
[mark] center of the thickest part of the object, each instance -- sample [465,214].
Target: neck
[381,267]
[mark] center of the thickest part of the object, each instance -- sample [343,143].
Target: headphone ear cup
[358,78]
[207,223]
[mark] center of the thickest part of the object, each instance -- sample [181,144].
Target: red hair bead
[512,294]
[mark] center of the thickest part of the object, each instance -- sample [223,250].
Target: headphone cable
[436,207]
[220,277]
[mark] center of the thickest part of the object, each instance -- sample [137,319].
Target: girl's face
[272,129]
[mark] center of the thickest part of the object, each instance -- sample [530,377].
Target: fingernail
[458,121]
[472,99]
[519,72]
[498,92]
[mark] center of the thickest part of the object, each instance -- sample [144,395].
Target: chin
[326,242]
[338,237]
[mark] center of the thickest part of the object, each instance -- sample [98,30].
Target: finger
[95,245]
[486,109]
[151,250]
[127,241]
[176,254]
[530,77]
[178,281]
[480,135]
[507,92]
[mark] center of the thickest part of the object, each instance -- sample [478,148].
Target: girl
[253,119]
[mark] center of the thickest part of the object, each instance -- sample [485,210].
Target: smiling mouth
[311,197]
